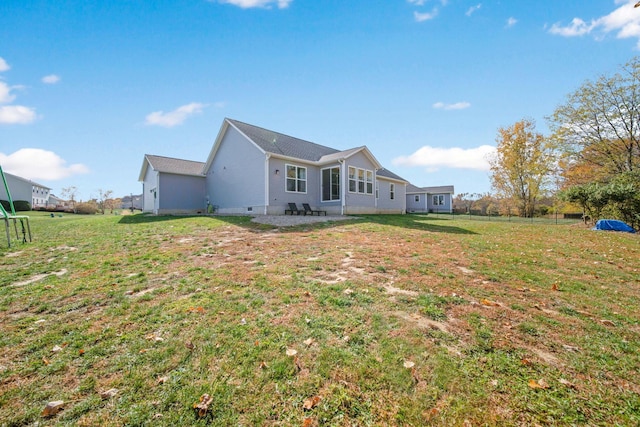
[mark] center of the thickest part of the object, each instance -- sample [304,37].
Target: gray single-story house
[24,189]
[252,170]
[430,199]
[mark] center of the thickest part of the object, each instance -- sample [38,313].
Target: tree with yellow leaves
[523,165]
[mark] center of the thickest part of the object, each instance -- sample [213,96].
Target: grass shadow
[413,221]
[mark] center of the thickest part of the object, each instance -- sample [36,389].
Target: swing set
[12,217]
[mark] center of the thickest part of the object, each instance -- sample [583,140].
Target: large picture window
[331,184]
[438,200]
[360,180]
[296,179]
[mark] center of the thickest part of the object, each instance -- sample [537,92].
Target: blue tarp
[613,225]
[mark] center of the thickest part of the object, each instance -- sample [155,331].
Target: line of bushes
[18,205]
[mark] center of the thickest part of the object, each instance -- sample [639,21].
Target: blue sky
[88,87]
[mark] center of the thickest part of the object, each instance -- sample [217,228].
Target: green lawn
[394,320]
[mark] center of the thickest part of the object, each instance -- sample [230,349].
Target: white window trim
[286,178]
[365,174]
[330,184]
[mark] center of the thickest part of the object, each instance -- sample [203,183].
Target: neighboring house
[133,201]
[430,199]
[24,189]
[172,185]
[258,171]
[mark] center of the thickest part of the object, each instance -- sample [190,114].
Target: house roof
[412,189]
[35,184]
[284,145]
[386,173]
[171,165]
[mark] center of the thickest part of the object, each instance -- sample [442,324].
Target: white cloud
[455,106]
[36,164]
[417,2]
[51,79]
[248,4]
[16,114]
[457,158]
[577,28]
[5,93]
[473,9]
[3,65]
[511,22]
[175,117]
[625,21]
[426,16]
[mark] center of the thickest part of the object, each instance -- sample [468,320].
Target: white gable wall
[150,192]
[19,188]
[235,181]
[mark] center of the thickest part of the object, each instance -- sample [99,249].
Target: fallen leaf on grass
[489,303]
[526,362]
[163,379]
[607,322]
[408,364]
[433,412]
[308,422]
[567,383]
[109,393]
[45,360]
[56,348]
[80,352]
[263,365]
[309,342]
[555,287]
[202,407]
[540,384]
[291,352]
[189,345]
[311,402]
[52,408]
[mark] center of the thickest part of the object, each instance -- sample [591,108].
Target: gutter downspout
[343,196]
[266,183]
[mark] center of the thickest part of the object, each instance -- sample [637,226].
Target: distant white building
[24,189]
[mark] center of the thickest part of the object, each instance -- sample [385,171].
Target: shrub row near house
[18,205]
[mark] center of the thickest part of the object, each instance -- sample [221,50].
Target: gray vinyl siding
[236,178]
[385,203]
[181,194]
[359,203]
[441,208]
[279,197]
[420,205]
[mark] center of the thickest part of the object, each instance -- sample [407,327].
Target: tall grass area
[381,320]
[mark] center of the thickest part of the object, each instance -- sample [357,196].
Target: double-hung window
[296,179]
[352,180]
[438,200]
[360,180]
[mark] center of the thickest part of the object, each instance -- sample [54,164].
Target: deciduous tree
[522,165]
[598,127]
